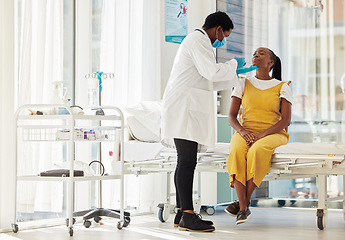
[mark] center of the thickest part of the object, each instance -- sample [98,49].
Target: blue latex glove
[240,62]
[245,70]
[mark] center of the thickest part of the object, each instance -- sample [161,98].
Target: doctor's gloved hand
[245,70]
[240,62]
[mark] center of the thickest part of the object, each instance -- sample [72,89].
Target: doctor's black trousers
[184,173]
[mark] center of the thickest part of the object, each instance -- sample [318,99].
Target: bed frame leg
[168,187]
[321,211]
[197,200]
[322,191]
[344,195]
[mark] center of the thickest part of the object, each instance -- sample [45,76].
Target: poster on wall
[176,24]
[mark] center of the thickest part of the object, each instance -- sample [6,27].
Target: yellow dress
[260,111]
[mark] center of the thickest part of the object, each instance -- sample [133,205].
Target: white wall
[7,76]
[197,12]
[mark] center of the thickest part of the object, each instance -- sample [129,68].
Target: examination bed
[291,161]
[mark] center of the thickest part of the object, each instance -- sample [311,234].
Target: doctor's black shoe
[179,215]
[243,216]
[193,223]
[177,218]
[205,221]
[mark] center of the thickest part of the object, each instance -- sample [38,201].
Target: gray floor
[267,223]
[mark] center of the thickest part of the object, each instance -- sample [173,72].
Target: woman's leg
[259,157]
[249,191]
[244,193]
[184,174]
[237,163]
[241,194]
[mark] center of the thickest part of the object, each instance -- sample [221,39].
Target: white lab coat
[188,110]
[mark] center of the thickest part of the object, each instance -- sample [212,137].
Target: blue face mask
[217,43]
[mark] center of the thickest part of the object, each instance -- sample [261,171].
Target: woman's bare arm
[232,118]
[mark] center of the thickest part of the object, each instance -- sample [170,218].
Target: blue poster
[176,24]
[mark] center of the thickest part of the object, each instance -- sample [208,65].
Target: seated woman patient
[266,103]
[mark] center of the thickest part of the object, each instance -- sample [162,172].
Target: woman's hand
[248,136]
[257,136]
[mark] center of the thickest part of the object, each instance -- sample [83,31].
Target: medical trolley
[61,123]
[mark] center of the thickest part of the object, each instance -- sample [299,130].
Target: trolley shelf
[66,179]
[68,116]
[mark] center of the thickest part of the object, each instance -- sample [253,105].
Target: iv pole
[100,76]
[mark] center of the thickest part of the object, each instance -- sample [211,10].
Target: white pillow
[147,124]
[139,132]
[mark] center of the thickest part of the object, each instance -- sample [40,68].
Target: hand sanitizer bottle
[56,95]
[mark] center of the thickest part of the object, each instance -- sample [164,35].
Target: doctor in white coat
[188,112]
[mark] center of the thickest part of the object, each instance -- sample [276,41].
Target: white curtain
[129,48]
[303,59]
[40,64]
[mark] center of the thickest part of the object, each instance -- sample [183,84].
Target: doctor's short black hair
[218,19]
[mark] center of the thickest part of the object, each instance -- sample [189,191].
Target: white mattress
[311,148]
[141,151]
[294,148]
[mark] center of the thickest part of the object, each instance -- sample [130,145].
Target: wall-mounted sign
[176,21]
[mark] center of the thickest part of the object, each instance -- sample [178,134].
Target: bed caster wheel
[163,212]
[70,232]
[15,228]
[210,211]
[87,223]
[175,210]
[97,219]
[120,225]
[254,203]
[292,202]
[67,222]
[281,203]
[320,219]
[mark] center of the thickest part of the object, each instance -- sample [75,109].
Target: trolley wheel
[67,222]
[210,210]
[97,219]
[126,223]
[320,219]
[120,225]
[87,223]
[128,219]
[175,209]
[70,231]
[15,227]
[281,203]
